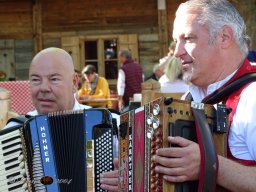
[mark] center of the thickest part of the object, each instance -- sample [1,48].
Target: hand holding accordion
[187,168]
[146,159]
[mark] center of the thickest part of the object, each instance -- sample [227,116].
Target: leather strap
[209,159]
[222,94]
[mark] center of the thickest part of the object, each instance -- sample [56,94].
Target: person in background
[80,79]
[94,87]
[130,77]
[159,69]
[53,83]
[157,73]
[171,81]
[169,54]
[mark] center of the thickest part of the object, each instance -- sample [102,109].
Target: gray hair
[215,14]
[125,53]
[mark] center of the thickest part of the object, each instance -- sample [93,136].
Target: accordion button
[21,157]
[22,165]
[153,187]
[25,185]
[159,134]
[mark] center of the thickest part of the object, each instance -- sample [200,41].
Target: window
[91,53]
[102,53]
[110,59]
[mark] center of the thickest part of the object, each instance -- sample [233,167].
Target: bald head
[53,81]
[54,54]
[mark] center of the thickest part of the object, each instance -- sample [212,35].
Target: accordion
[48,153]
[144,130]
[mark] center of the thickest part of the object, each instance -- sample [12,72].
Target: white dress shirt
[242,134]
[121,82]
[77,106]
[178,86]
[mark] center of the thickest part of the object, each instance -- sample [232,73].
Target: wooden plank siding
[23,53]
[37,24]
[15,19]
[85,15]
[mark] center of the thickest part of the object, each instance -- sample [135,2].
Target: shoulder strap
[219,95]
[20,119]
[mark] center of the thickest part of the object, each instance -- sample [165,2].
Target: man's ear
[75,82]
[226,37]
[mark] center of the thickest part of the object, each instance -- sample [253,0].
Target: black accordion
[48,153]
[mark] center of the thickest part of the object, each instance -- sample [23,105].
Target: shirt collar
[76,106]
[199,93]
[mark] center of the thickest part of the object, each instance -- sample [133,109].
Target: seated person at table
[94,87]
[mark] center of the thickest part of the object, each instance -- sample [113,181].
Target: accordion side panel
[180,120]
[130,152]
[167,186]
[123,152]
[46,151]
[220,139]
[139,150]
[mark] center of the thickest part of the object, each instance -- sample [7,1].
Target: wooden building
[92,31]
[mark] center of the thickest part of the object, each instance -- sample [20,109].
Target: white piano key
[10,135]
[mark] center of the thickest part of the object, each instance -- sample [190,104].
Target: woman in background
[171,81]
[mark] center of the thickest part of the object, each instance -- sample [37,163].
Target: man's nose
[45,86]
[179,49]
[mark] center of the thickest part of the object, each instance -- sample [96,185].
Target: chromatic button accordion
[48,153]
[144,130]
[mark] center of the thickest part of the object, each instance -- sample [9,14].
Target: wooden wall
[84,18]
[247,9]
[75,15]
[15,19]
[63,18]
[81,18]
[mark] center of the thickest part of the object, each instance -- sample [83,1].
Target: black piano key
[10,139]
[11,145]
[13,175]
[13,151]
[15,187]
[11,167]
[11,160]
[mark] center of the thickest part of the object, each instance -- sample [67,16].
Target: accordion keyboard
[103,139]
[12,167]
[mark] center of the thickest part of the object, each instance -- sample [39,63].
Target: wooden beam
[162,27]
[37,26]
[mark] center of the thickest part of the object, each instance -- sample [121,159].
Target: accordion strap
[222,94]
[209,160]
[20,119]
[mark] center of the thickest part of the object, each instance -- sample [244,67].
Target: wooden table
[97,102]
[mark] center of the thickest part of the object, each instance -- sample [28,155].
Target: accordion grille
[67,135]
